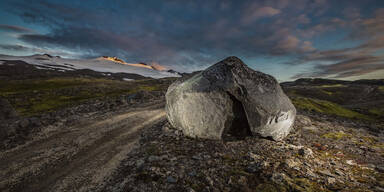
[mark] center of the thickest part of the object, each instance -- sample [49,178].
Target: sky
[289,39]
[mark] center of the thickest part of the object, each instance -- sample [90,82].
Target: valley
[81,132]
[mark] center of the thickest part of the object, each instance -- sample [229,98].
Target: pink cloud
[254,14]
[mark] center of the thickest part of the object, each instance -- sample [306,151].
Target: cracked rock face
[230,98]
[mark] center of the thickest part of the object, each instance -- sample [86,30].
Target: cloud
[28,49]
[253,14]
[287,44]
[192,35]
[15,29]
[303,19]
[351,13]
[13,47]
[348,68]
[307,46]
[362,59]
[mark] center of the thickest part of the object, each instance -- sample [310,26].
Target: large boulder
[229,98]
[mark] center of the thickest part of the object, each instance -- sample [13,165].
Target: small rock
[192,173]
[331,180]
[294,147]
[306,152]
[327,173]
[242,180]
[139,163]
[350,162]
[280,178]
[196,157]
[163,157]
[291,163]
[171,179]
[311,174]
[380,168]
[339,154]
[24,123]
[35,121]
[320,146]
[252,168]
[310,128]
[304,120]
[210,181]
[190,190]
[153,158]
[338,172]
[253,156]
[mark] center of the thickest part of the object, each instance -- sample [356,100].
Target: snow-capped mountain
[102,64]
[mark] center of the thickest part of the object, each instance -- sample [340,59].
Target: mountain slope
[104,65]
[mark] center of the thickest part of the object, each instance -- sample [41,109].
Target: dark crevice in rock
[240,127]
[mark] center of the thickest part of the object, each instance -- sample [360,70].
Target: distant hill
[103,65]
[361,99]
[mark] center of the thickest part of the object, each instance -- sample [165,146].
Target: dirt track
[75,158]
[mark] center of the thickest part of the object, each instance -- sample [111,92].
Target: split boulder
[229,98]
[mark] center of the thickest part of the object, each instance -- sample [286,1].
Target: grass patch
[337,135]
[377,111]
[30,97]
[327,92]
[334,85]
[327,107]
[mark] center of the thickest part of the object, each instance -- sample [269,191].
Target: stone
[331,180]
[291,163]
[153,158]
[139,163]
[304,120]
[350,162]
[306,152]
[171,179]
[6,110]
[327,173]
[24,123]
[252,168]
[192,173]
[254,157]
[229,98]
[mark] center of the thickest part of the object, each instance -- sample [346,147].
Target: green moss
[303,184]
[337,135]
[364,175]
[369,139]
[326,107]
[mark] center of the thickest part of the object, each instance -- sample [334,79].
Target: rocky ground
[320,155]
